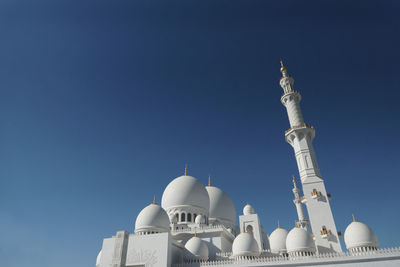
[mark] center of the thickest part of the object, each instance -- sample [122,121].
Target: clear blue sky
[103,102]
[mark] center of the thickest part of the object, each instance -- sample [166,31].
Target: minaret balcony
[325,233]
[315,194]
[289,91]
[304,125]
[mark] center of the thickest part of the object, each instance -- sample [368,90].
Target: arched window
[183,219]
[177,217]
[189,217]
[249,229]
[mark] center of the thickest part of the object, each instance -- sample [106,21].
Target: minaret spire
[283,68]
[300,137]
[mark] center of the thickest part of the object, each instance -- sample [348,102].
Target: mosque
[195,225]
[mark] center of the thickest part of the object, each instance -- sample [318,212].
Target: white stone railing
[196,229]
[227,255]
[315,258]
[223,255]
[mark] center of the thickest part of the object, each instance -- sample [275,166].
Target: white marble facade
[195,225]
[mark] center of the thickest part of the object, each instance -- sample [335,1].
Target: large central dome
[186,191]
[221,206]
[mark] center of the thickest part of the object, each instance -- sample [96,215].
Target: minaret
[303,222]
[300,137]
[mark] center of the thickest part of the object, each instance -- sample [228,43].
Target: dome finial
[209,180]
[195,233]
[283,68]
[154,200]
[186,168]
[354,218]
[279,224]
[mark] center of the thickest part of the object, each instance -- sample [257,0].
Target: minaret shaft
[303,222]
[300,137]
[298,204]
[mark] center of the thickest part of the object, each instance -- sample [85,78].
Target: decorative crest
[294,181]
[283,68]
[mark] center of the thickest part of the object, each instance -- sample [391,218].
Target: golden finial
[154,200]
[209,180]
[195,234]
[283,68]
[354,218]
[294,181]
[279,224]
[295,224]
[186,169]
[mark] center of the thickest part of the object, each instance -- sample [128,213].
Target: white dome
[98,259]
[248,209]
[277,240]
[152,218]
[221,206]
[196,249]
[185,191]
[245,245]
[200,219]
[358,234]
[299,240]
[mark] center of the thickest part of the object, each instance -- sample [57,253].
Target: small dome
[98,259]
[358,234]
[248,209]
[221,205]
[196,249]
[299,240]
[152,218]
[245,245]
[277,240]
[200,219]
[185,191]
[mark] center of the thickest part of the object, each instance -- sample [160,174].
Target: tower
[250,222]
[302,222]
[300,137]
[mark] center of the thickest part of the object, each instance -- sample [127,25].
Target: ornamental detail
[143,256]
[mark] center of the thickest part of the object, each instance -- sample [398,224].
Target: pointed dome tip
[283,68]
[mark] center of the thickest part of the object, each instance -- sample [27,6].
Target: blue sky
[103,102]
